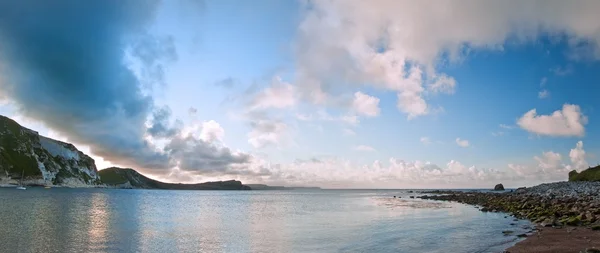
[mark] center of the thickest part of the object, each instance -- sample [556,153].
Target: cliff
[590,174]
[43,161]
[129,178]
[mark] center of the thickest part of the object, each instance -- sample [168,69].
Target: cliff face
[129,178]
[43,161]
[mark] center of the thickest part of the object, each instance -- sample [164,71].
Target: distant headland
[41,161]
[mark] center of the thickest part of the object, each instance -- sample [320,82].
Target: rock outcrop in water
[42,160]
[129,178]
[499,187]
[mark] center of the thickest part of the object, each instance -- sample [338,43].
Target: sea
[113,220]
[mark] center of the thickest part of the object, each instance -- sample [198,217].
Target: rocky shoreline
[549,205]
[552,206]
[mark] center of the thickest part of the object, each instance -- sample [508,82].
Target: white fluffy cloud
[549,160]
[412,104]
[577,156]
[365,105]
[550,166]
[212,131]
[397,45]
[569,121]
[266,132]
[393,173]
[279,95]
[443,84]
[462,143]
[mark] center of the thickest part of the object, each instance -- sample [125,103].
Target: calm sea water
[101,220]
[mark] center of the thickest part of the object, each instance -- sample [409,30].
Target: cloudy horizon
[332,93]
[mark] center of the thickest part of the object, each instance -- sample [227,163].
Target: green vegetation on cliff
[129,178]
[112,176]
[591,174]
[15,141]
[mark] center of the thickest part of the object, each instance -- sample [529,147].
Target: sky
[332,93]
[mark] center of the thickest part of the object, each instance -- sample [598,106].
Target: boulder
[499,187]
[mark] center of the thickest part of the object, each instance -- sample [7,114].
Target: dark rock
[412,197]
[592,250]
[522,235]
[499,187]
[520,189]
[551,205]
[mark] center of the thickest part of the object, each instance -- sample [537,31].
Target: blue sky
[380,94]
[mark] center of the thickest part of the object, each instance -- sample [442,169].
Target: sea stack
[499,187]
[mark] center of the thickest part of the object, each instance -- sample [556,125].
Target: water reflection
[43,226]
[266,223]
[98,226]
[100,220]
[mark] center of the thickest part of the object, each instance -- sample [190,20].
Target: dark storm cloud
[63,63]
[160,124]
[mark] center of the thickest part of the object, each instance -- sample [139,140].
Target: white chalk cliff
[44,161]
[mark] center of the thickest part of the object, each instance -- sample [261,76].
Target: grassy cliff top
[591,174]
[112,176]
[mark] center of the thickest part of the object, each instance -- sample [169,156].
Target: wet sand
[559,240]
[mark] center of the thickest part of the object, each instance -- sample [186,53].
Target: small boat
[20,186]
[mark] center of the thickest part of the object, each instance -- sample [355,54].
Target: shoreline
[566,215]
[551,240]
